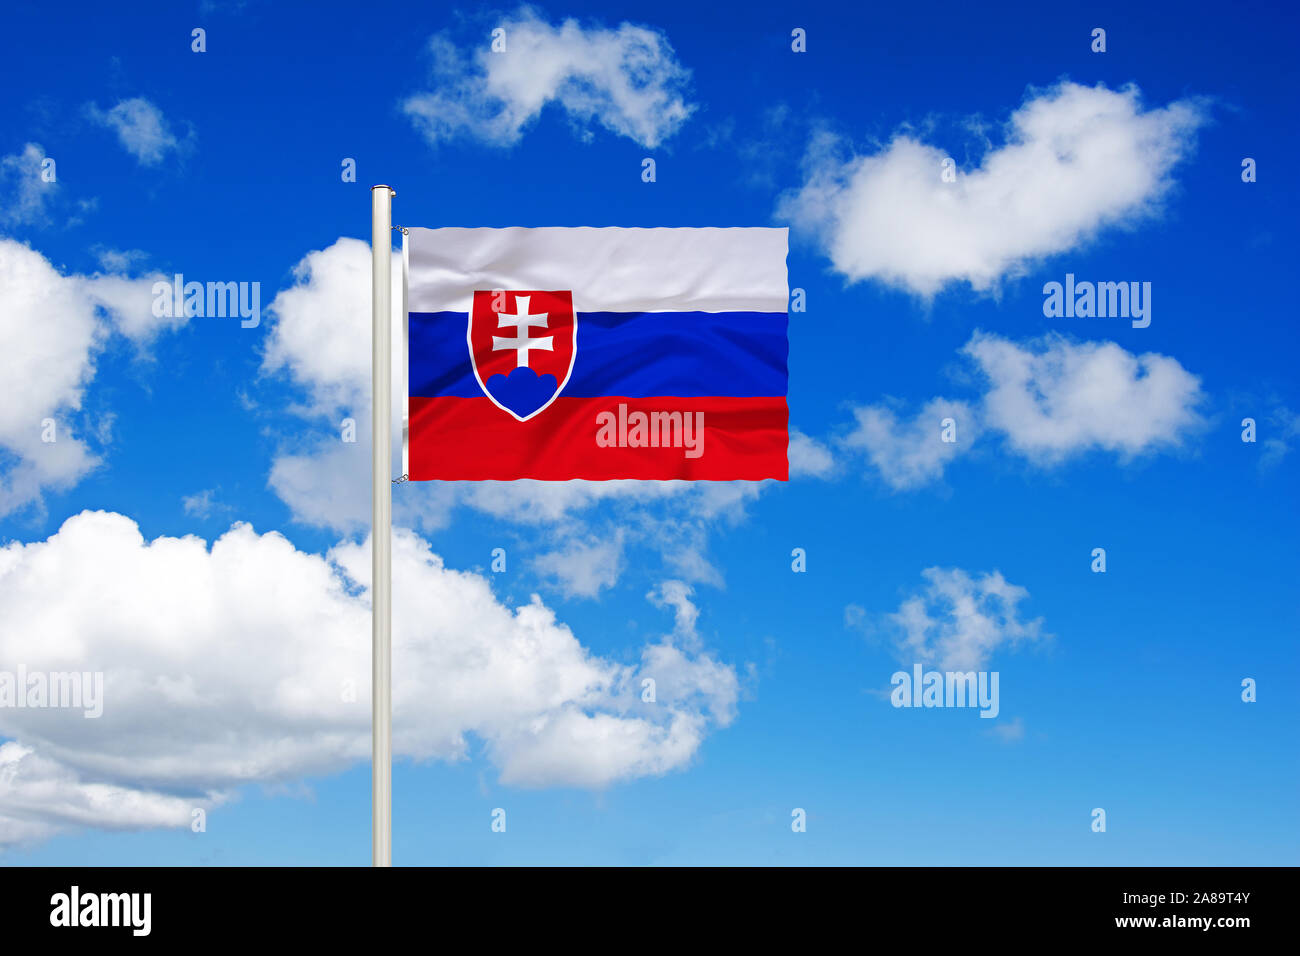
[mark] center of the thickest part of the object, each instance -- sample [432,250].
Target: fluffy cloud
[1046,400]
[911,452]
[320,332]
[583,567]
[248,661]
[808,456]
[625,79]
[51,328]
[320,336]
[40,797]
[677,596]
[1058,399]
[24,194]
[1076,160]
[141,128]
[703,690]
[958,620]
[204,504]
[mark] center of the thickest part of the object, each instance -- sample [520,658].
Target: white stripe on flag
[608,269]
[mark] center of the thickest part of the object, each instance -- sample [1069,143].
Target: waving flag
[562,353]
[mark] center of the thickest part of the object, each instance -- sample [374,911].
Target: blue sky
[225,166]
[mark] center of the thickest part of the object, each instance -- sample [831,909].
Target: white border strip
[613,269]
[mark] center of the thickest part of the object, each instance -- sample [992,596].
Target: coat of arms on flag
[561,353]
[522,347]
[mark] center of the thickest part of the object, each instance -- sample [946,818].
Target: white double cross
[522,321]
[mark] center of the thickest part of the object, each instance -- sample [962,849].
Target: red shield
[522,346]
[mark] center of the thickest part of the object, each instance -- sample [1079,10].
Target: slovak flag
[561,353]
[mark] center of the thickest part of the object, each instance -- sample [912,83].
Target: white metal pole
[381,534]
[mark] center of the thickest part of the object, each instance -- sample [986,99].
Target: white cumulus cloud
[52,326]
[911,452]
[583,567]
[248,661]
[320,330]
[1076,160]
[808,456]
[141,128]
[24,192]
[625,79]
[957,620]
[40,797]
[1055,398]
[1046,401]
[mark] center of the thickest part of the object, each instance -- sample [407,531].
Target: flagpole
[381,531]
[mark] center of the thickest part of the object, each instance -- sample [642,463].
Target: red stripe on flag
[470,439]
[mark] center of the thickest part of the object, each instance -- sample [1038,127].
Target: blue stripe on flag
[637,354]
